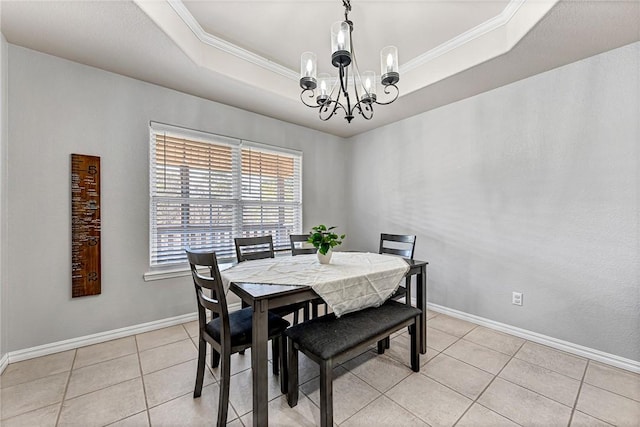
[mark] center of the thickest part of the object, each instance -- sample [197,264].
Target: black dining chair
[227,333]
[298,248]
[402,245]
[261,247]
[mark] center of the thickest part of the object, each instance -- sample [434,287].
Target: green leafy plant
[324,238]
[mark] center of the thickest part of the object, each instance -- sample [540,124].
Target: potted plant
[324,239]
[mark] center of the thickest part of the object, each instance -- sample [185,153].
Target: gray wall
[3,191]
[532,187]
[56,108]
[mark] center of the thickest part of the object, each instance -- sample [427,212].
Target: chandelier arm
[388,92]
[311,95]
[365,109]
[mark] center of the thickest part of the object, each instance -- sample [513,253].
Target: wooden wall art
[85,225]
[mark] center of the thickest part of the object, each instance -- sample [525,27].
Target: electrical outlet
[516,298]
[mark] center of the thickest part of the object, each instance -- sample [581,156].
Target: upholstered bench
[328,340]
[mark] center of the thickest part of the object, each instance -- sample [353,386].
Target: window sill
[153,275]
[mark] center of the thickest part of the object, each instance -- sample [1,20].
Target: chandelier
[334,94]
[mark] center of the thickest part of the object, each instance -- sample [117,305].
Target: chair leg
[275,352]
[215,358]
[326,393]
[306,312]
[225,378]
[284,370]
[292,362]
[407,298]
[296,317]
[202,354]
[314,310]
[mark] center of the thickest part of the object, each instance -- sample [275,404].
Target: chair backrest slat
[251,248]
[301,249]
[217,302]
[401,244]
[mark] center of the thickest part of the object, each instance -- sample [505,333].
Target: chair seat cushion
[240,323]
[328,336]
[400,293]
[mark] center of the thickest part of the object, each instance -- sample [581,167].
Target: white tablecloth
[351,282]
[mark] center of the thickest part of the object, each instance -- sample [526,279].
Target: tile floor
[470,376]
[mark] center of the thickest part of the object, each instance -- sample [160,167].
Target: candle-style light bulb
[389,63]
[341,40]
[309,67]
[367,84]
[323,87]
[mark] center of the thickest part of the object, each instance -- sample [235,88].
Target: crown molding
[486,27]
[226,46]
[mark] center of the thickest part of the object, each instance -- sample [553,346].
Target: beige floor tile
[102,375]
[479,416]
[541,380]
[138,420]
[242,382]
[451,325]
[434,403]
[175,381]
[524,406]
[495,340]
[478,356]
[431,314]
[609,407]
[29,370]
[383,412]
[44,417]
[350,394]
[304,414]
[36,394]
[167,355]
[239,363]
[463,378]
[193,328]
[187,411]
[439,340]
[613,379]
[161,337]
[556,360]
[379,371]
[583,420]
[235,423]
[425,358]
[104,351]
[104,406]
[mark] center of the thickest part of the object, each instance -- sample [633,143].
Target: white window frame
[160,268]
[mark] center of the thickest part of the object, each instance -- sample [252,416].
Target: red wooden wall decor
[85,225]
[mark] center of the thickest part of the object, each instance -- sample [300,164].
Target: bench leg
[415,348]
[382,345]
[292,388]
[326,393]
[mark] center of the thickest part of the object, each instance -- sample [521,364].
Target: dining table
[364,279]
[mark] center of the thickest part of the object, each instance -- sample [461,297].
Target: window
[207,189]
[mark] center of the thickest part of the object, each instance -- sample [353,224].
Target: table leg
[421,302]
[259,364]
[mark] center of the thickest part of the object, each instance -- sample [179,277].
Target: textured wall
[3,192]
[59,107]
[532,187]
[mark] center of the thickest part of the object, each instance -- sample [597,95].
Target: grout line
[66,386]
[144,389]
[575,402]
[489,385]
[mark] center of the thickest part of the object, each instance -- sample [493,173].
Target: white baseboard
[43,350]
[579,350]
[73,343]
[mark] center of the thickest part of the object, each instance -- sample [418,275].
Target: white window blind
[207,189]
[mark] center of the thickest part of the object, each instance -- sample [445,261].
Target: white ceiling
[246,53]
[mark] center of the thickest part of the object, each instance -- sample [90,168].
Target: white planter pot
[324,259]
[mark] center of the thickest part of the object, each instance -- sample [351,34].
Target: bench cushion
[328,336]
